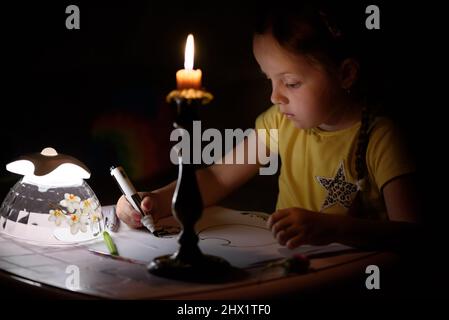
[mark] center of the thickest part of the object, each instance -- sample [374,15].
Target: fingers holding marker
[147,204]
[127,214]
[130,219]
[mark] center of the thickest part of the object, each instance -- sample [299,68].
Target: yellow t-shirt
[318,167]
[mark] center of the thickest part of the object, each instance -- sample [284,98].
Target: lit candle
[188,78]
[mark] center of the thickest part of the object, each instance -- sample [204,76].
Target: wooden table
[44,271]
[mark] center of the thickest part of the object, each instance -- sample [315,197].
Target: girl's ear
[349,73]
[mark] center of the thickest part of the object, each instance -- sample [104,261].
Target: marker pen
[132,196]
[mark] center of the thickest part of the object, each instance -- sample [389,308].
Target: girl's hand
[293,227]
[131,217]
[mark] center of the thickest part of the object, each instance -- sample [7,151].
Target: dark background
[98,93]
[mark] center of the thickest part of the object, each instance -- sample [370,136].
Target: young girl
[345,176]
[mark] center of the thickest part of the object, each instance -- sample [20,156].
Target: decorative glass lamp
[51,204]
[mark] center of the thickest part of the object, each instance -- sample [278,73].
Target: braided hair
[362,146]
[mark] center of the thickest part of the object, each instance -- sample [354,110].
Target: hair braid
[362,145]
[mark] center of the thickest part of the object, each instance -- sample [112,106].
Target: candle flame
[189,53]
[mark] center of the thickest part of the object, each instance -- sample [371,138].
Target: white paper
[240,237]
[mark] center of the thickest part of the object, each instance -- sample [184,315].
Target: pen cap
[123,181]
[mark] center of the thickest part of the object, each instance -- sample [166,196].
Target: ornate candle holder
[189,263]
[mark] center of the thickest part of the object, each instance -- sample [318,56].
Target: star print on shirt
[339,191]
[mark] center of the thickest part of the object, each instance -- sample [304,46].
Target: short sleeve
[387,155]
[266,121]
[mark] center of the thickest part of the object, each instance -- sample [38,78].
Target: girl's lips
[288,115]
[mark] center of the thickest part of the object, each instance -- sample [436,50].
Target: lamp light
[51,204]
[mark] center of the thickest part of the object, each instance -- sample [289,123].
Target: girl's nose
[277,97]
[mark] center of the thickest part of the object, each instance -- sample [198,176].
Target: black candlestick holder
[189,263]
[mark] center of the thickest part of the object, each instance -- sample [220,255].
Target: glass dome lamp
[51,204]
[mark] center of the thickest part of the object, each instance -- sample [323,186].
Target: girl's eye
[293,85]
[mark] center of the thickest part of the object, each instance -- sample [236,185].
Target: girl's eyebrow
[278,74]
[287,74]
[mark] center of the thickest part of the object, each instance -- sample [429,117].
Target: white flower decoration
[57,216]
[71,202]
[79,214]
[95,216]
[77,222]
[88,206]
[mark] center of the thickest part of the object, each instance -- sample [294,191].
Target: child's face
[304,92]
